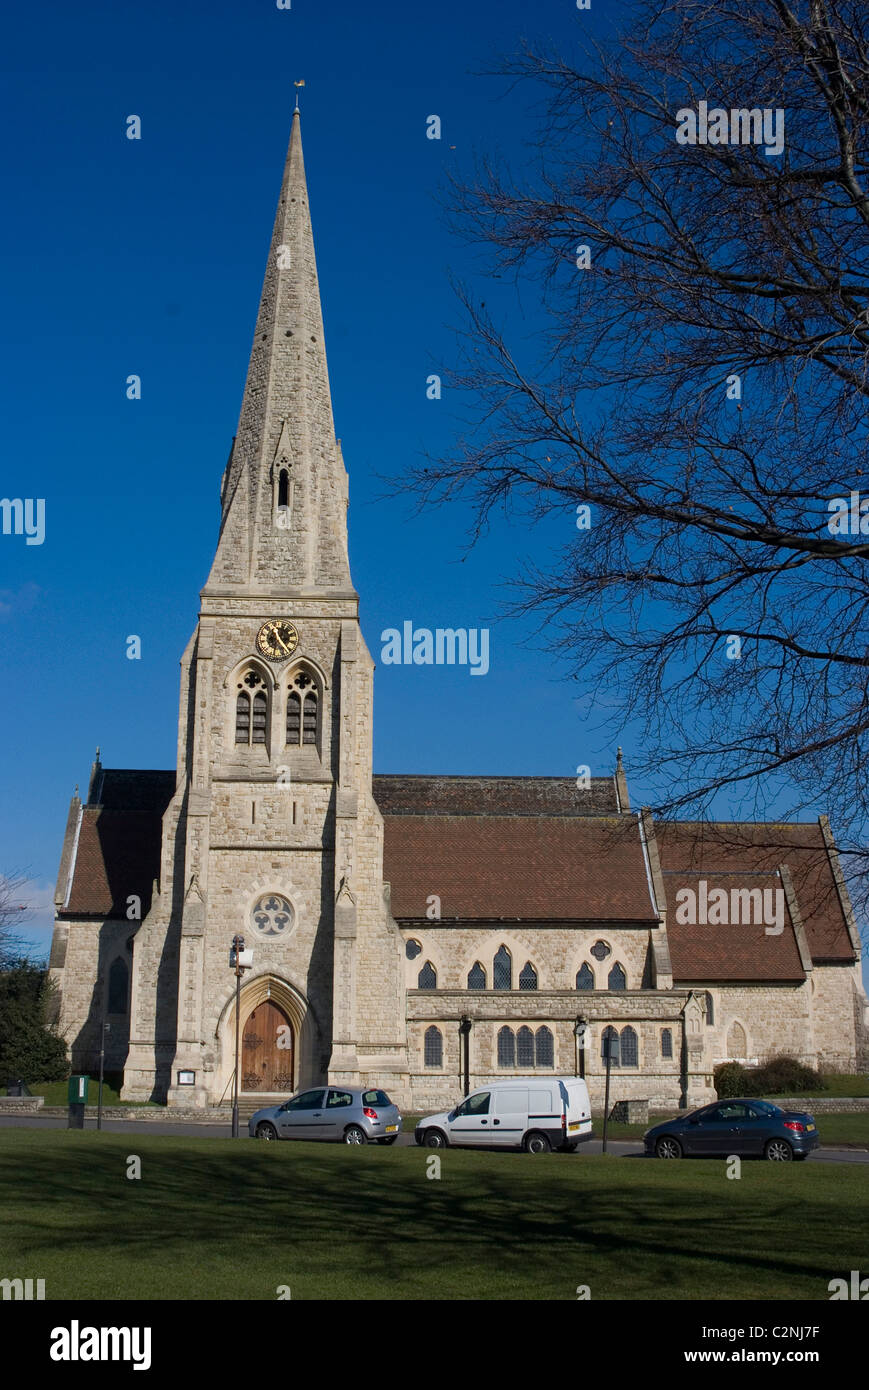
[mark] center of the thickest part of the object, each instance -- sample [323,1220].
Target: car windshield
[375,1098]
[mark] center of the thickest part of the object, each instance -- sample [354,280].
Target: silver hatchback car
[342,1114]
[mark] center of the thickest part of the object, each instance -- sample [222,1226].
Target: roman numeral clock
[277,639]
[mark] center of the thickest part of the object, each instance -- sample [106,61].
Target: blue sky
[147,257]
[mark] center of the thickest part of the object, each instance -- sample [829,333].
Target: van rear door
[577,1109]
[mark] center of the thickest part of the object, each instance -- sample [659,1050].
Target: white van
[534,1113]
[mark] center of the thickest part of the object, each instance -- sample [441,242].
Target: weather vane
[298,84]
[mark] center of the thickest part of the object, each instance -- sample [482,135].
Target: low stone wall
[155,1113]
[17,1105]
[842,1104]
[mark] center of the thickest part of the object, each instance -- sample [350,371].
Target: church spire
[284,493]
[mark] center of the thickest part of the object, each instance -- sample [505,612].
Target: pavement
[619,1148]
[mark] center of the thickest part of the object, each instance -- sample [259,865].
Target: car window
[339,1098]
[765,1107]
[731,1111]
[308,1100]
[475,1105]
[375,1098]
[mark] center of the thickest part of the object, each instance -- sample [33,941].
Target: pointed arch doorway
[268,1050]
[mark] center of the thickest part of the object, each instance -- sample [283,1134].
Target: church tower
[273,833]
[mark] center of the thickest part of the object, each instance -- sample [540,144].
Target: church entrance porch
[281,1048]
[267,1051]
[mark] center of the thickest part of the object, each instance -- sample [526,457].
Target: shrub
[730,1080]
[785,1076]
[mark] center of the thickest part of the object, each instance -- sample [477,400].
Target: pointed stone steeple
[284,494]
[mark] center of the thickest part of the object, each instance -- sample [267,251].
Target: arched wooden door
[267,1050]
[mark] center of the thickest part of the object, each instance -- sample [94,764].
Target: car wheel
[354,1135]
[435,1139]
[668,1147]
[779,1150]
[389,1140]
[536,1143]
[266,1131]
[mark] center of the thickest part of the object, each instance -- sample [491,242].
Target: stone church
[382,911]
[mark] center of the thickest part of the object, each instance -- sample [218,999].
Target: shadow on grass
[359,1208]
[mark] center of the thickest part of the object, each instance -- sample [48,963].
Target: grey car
[342,1114]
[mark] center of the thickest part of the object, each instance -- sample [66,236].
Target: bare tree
[14,911]
[699,381]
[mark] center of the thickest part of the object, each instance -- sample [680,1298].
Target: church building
[395,921]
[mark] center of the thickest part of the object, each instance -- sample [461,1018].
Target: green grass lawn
[235,1219]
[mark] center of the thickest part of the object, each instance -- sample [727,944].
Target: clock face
[277,639]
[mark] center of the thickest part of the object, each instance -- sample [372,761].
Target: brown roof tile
[517,867]
[749,855]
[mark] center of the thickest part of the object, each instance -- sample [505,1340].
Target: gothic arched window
[119,979]
[525,1048]
[584,976]
[428,977]
[502,969]
[506,1048]
[607,1033]
[303,711]
[251,709]
[528,976]
[710,1010]
[545,1047]
[476,976]
[284,488]
[629,1050]
[667,1042]
[433,1049]
[617,978]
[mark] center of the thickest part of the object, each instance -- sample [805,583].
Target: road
[619,1148]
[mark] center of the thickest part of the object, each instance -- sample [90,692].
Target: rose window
[273,915]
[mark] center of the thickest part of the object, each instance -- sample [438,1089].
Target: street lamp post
[580,1034]
[611,1054]
[239,959]
[464,1034]
[104,1028]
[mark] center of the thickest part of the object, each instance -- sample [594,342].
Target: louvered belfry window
[294,718]
[251,709]
[303,712]
[309,721]
[260,707]
[242,718]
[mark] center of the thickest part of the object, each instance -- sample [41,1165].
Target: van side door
[510,1115]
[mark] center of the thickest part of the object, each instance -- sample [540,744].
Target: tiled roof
[734,856]
[398,795]
[549,868]
[520,849]
[118,849]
